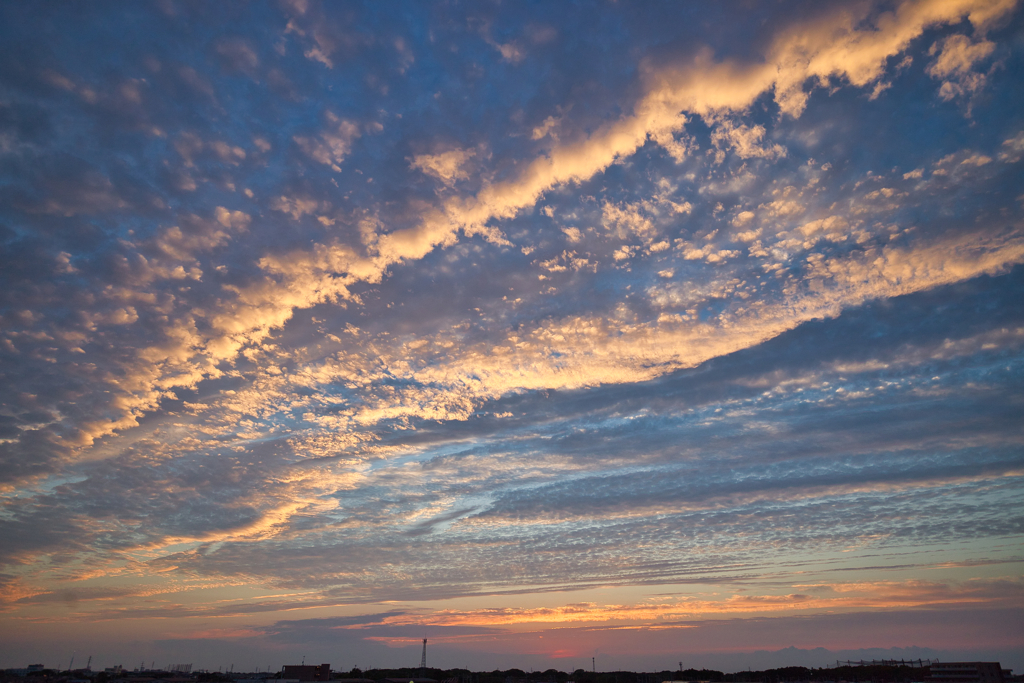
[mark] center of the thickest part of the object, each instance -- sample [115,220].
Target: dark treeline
[851,674]
[854,674]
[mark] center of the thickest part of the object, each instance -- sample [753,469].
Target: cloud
[236,54]
[296,207]
[954,65]
[333,144]
[546,128]
[445,166]
[535,334]
[1013,149]
[886,595]
[746,141]
[825,48]
[70,187]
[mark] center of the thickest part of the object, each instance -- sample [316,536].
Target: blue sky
[547,331]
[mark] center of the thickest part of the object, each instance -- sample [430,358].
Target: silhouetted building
[307,673]
[966,672]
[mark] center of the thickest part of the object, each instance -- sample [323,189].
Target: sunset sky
[643,331]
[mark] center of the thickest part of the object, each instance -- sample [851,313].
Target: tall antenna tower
[423,659]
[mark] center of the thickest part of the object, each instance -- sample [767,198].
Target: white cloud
[1012,149]
[332,145]
[954,65]
[572,234]
[742,218]
[746,141]
[447,167]
[546,128]
[296,207]
[843,44]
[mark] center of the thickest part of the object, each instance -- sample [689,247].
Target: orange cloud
[877,595]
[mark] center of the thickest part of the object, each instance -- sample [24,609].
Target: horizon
[903,662]
[142,668]
[642,331]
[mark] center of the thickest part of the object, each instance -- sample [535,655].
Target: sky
[648,332]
